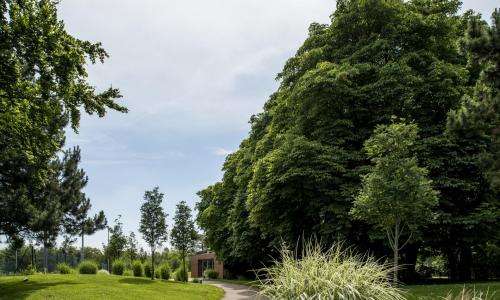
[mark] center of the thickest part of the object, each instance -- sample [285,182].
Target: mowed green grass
[438,291]
[425,292]
[95,287]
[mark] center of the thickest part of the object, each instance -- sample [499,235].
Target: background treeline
[31,258]
[299,170]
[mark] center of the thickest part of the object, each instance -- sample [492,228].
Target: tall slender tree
[153,223]
[183,235]
[396,195]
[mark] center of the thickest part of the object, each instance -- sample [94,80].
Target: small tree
[183,234]
[396,195]
[131,247]
[117,241]
[153,224]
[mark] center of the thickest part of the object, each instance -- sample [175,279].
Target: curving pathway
[234,291]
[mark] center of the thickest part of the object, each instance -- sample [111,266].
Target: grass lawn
[101,287]
[436,291]
[423,292]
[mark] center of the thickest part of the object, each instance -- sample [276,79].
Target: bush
[174,263]
[157,273]
[147,270]
[30,270]
[128,272]
[164,272]
[181,275]
[195,280]
[103,272]
[211,273]
[331,274]
[87,267]
[137,268]
[118,267]
[63,268]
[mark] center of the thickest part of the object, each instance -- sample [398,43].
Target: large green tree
[396,195]
[300,168]
[43,88]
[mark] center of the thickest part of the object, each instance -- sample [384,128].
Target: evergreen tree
[153,223]
[77,221]
[183,234]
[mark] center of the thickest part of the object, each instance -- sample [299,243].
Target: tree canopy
[43,88]
[300,168]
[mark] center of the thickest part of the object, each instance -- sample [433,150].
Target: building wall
[218,265]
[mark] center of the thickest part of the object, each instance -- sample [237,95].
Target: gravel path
[237,291]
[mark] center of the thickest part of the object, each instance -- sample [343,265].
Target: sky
[191,72]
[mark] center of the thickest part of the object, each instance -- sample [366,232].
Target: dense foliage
[299,170]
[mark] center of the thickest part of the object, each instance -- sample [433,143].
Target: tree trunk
[152,263]
[45,258]
[32,256]
[82,255]
[184,264]
[395,247]
[396,255]
[16,262]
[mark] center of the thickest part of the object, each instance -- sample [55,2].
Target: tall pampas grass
[335,273]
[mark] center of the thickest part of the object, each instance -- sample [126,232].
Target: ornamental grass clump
[63,268]
[332,274]
[87,267]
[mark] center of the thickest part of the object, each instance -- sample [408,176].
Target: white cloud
[221,152]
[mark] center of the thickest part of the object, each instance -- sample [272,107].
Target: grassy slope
[102,287]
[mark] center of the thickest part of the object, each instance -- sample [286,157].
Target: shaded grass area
[437,291]
[422,292]
[101,287]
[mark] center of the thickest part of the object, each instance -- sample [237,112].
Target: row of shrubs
[118,268]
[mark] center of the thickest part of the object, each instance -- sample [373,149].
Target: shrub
[147,270]
[165,272]
[63,268]
[87,267]
[128,272]
[331,274]
[137,268]
[174,263]
[195,280]
[118,267]
[181,275]
[30,270]
[103,272]
[157,273]
[210,273]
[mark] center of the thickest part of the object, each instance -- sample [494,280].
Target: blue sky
[192,72]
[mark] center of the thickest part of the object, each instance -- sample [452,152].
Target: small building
[203,261]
